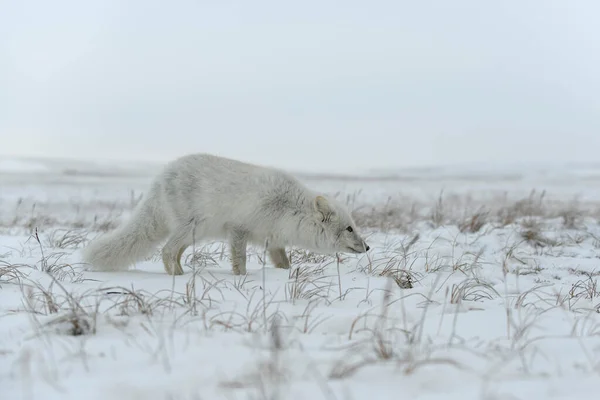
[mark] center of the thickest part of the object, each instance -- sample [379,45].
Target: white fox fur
[201,196]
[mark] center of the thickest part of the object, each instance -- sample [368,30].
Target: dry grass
[472,290]
[308,282]
[67,238]
[470,215]
[12,273]
[473,223]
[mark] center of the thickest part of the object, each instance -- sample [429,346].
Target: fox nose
[367,247]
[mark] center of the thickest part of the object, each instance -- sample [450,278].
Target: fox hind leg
[172,263]
[172,251]
[279,258]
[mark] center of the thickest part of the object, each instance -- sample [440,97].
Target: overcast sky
[307,85]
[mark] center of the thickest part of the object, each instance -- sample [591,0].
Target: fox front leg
[279,258]
[237,244]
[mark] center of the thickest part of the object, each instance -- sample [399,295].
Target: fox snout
[360,247]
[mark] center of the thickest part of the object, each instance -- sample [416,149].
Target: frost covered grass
[467,295]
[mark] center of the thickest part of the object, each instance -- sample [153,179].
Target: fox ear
[322,205]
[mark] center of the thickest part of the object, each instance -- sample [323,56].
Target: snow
[509,311]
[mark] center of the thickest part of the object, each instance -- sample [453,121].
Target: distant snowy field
[481,284]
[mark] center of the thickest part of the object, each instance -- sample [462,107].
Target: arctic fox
[203,196]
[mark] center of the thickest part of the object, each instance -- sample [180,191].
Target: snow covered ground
[481,284]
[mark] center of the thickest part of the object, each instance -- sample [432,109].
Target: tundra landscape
[480,284]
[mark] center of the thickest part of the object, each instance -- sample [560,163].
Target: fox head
[336,230]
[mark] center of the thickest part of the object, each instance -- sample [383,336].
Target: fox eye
[349,229]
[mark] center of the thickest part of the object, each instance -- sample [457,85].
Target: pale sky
[314,85]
